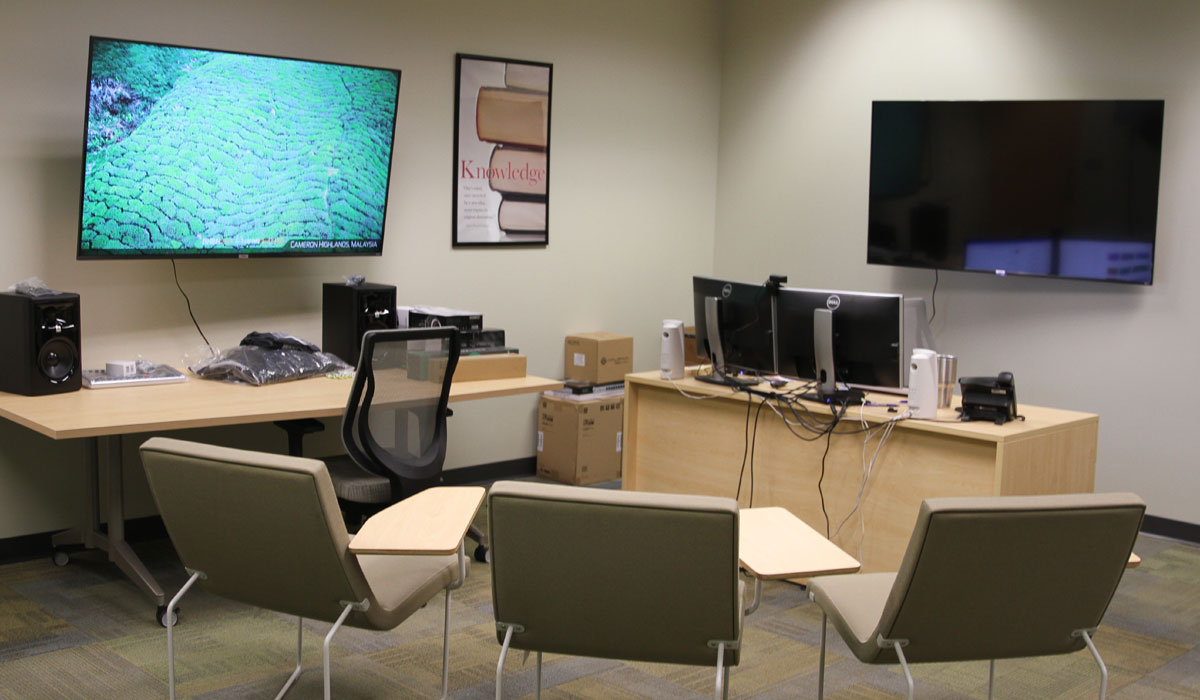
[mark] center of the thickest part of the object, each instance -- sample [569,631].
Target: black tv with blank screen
[1053,188]
[203,153]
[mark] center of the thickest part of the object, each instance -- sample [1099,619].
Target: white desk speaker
[923,384]
[671,363]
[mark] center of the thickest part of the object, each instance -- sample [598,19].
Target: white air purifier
[922,384]
[671,363]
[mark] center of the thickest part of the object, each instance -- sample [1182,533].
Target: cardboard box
[691,348]
[476,367]
[598,357]
[470,368]
[579,442]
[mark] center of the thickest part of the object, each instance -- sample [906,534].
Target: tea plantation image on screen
[194,152]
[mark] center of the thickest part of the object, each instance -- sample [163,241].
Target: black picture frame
[501,152]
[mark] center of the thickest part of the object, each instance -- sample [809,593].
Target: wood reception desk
[690,437]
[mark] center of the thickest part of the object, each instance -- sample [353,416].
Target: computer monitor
[867,336]
[743,312]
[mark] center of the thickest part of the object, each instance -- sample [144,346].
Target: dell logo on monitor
[726,290]
[833,302]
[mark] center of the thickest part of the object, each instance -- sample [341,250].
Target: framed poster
[501,152]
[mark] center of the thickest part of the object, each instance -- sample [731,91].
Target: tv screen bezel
[872,258]
[88,254]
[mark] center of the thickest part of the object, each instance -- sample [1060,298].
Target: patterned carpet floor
[84,631]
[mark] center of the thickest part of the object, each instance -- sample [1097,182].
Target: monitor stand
[719,377]
[827,391]
[712,324]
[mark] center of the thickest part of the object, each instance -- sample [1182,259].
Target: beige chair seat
[855,603]
[403,584]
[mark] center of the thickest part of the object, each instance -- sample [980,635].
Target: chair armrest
[433,521]
[774,544]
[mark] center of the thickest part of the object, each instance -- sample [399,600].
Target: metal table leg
[107,449]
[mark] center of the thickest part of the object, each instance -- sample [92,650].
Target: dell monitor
[202,153]
[865,340]
[741,341]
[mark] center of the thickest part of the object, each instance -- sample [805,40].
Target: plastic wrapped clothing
[267,358]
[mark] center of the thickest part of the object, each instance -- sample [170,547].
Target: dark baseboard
[1175,529]
[26,547]
[493,471]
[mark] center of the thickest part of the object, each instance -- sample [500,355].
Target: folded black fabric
[253,364]
[278,341]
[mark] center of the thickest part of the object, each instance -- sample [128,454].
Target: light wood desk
[677,444]
[103,415]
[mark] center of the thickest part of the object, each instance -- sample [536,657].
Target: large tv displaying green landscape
[195,153]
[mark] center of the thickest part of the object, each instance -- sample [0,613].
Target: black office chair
[394,426]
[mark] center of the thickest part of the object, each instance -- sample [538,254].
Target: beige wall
[797,83]
[641,172]
[634,129]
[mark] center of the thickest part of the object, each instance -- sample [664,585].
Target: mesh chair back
[395,419]
[264,528]
[615,574]
[993,578]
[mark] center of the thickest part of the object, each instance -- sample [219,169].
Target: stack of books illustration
[516,118]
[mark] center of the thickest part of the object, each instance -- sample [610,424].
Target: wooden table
[677,444]
[775,544]
[103,415]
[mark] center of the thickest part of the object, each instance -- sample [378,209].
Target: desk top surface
[773,544]
[200,403]
[1038,419]
[433,521]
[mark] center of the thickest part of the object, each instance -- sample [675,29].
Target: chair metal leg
[446,649]
[904,665]
[299,659]
[720,671]
[539,676]
[462,578]
[329,637]
[196,576]
[821,667]
[500,664]
[1087,638]
[991,677]
[754,602]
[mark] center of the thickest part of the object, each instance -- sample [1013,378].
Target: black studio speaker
[349,311]
[39,344]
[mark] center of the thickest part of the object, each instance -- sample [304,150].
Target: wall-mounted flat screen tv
[198,153]
[1064,188]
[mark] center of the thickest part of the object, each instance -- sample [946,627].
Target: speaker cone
[58,360]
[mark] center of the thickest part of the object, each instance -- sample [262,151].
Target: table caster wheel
[60,558]
[482,554]
[161,615]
